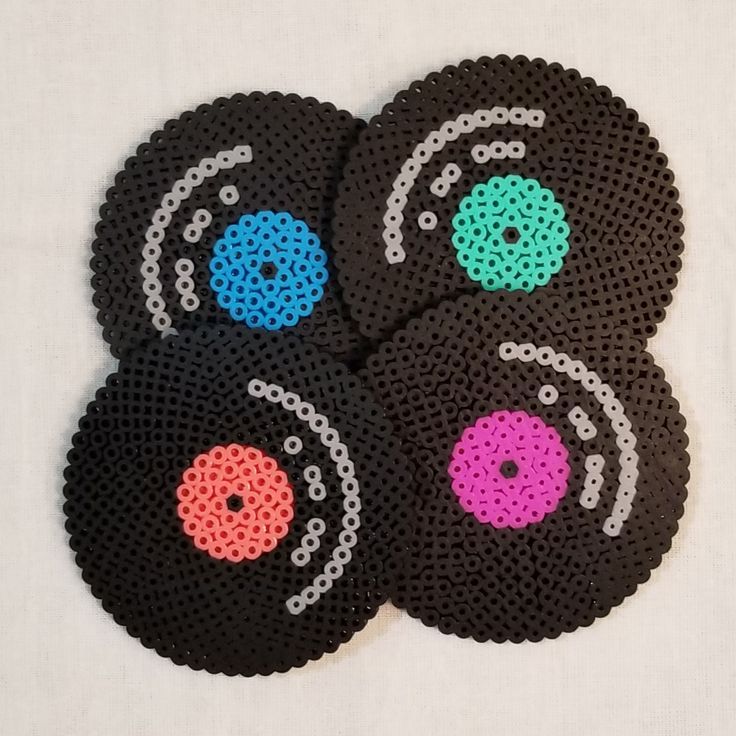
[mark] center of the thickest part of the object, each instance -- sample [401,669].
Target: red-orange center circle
[264,509]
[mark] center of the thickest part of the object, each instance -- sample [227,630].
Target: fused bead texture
[549,464]
[236,500]
[507,174]
[224,216]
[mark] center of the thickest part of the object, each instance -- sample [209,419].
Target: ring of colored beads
[235,502]
[510,233]
[509,469]
[268,270]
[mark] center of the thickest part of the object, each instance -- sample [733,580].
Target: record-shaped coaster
[507,175]
[549,461]
[236,500]
[225,217]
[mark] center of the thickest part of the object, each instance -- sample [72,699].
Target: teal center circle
[493,208]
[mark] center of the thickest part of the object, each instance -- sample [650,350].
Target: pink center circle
[235,502]
[509,469]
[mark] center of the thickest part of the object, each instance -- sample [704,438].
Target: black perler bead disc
[236,500]
[224,216]
[507,175]
[549,464]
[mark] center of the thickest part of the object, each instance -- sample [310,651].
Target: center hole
[509,469]
[234,502]
[511,235]
[268,270]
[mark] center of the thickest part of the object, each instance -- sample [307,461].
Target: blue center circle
[268,270]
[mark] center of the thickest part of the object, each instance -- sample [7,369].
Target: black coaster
[225,217]
[507,174]
[549,463]
[236,500]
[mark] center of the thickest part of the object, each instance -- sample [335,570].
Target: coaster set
[508,463]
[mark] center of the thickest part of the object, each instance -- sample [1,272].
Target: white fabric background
[82,83]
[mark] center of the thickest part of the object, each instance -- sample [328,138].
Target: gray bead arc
[309,543]
[184,269]
[229,194]
[427,220]
[181,190]
[292,445]
[613,409]
[548,394]
[200,220]
[584,428]
[316,489]
[482,152]
[338,451]
[593,481]
[434,142]
[450,175]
